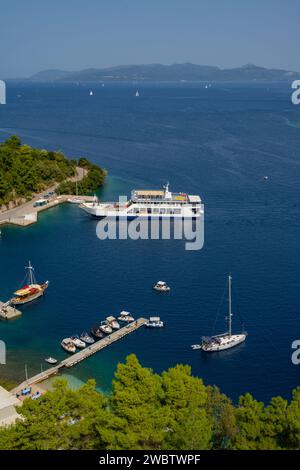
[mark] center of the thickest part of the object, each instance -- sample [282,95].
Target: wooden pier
[8,312]
[83,354]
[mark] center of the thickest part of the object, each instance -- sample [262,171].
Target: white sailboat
[137,93]
[225,340]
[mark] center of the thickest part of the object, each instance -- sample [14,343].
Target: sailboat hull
[30,298]
[221,343]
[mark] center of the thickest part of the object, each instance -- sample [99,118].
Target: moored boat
[51,360]
[125,317]
[86,338]
[161,286]
[226,340]
[106,328]
[154,322]
[149,204]
[96,332]
[113,323]
[73,200]
[77,342]
[68,345]
[31,290]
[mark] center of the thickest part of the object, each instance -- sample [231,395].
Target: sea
[217,141]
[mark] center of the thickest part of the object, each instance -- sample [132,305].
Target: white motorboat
[86,338]
[113,323]
[125,317]
[78,342]
[105,328]
[161,286]
[51,360]
[196,346]
[225,340]
[154,322]
[73,200]
[68,345]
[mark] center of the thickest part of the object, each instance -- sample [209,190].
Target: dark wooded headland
[173,410]
[25,171]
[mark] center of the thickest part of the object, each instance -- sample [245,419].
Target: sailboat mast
[229,304]
[30,273]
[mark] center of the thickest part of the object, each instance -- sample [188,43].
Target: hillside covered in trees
[148,411]
[25,170]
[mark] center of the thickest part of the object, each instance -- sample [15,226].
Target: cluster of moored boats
[106,327]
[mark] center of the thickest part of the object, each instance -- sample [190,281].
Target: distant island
[26,171]
[169,73]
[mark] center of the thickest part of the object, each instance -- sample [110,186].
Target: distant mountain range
[169,73]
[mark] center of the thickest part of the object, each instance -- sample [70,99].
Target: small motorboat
[78,342]
[105,328]
[68,345]
[161,286]
[86,338]
[154,322]
[126,317]
[196,346]
[96,332]
[51,360]
[73,200]
[113,323]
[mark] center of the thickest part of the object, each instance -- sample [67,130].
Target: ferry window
[162,211]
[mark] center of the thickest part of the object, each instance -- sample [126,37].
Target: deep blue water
[216,142]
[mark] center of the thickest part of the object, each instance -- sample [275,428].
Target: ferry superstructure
[153,204]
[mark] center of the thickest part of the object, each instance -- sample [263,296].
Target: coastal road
[28,208]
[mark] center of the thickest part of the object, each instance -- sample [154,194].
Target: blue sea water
[217,142]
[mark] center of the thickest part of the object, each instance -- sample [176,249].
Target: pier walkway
[83,354]
[8,312]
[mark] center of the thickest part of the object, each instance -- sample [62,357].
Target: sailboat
[137,93]
[91,93]
[225,340]
[31,290]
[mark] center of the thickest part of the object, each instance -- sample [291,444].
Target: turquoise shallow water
[217,143]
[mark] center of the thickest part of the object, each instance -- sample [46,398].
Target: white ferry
[154,204]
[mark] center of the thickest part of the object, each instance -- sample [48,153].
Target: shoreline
[24,216]
[27,214]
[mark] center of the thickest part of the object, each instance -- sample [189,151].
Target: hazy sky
[75,34]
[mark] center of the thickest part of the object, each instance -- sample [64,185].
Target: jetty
[27,214]
[8,312]
[83,354]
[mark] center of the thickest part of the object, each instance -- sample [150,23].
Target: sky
[75,34]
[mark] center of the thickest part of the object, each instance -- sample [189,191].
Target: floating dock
[83,354]
[8,312]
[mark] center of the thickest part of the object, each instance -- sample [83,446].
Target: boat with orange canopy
[31,290]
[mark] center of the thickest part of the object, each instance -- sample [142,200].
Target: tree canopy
[150,411]
[25,170]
